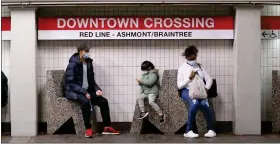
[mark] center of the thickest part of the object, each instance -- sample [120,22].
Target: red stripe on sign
[133,23]
[270,22]
[6,23]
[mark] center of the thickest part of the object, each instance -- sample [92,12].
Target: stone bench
[173,106]
[58,108]
[275,101]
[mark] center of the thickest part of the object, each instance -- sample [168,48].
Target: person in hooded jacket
[149,83]
[80,86]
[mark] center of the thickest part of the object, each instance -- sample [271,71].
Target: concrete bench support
[172,105]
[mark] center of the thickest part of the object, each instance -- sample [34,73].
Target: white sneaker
[191,134]
[210,134]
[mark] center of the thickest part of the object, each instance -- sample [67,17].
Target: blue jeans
[194,105]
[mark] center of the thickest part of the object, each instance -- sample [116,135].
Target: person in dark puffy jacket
[4,90]
[80,86]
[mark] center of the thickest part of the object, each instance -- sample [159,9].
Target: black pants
[95,100]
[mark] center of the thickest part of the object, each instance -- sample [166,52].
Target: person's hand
[88,96]
[99,93]
[138,79]
[192,75]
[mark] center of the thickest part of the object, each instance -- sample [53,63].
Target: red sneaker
[89,133]
[110,130]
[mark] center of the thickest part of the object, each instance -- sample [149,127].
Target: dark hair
[147,66]
[83,46]
[190,50]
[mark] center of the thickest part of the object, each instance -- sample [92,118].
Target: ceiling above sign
[79,2]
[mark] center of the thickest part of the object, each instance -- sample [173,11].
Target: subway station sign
[270,27]
[135,28]
[6,28]
[76,28]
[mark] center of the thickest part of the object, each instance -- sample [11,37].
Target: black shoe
[143,115]
[162,119]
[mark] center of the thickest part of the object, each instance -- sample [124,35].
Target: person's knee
[151,102]
[204,103]
[194,106]
[85,105]
[104,101]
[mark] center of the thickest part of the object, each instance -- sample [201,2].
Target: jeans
[194,105]
[86,109]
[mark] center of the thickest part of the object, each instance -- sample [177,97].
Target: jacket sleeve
[182,80]
[70,79]
[150,80]
[95,86]
[207,78]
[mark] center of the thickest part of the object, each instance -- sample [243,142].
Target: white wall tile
[118,77]
[114,59]
[269,56]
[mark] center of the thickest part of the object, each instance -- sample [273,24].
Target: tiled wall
[124,57]
[5,49]
[270,60]
[117,64]
[5,11]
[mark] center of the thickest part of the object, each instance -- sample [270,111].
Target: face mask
[192,63]
[86,55]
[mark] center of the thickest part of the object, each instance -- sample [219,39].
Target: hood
[154,71]
[76,58]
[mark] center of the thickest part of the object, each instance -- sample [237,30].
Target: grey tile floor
[147,138]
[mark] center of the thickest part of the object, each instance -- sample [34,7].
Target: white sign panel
[75,28]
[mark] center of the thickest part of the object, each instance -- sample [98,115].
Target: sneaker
[191,134]
[110,130]
[143,115]
[210,134]
[89,133]
[162,119]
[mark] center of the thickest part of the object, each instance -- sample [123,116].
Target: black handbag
[212,92]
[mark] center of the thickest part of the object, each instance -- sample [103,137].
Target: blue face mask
[192,63]
[86,55]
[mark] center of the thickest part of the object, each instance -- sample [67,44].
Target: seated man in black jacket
[80,86]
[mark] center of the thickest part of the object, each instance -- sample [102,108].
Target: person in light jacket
[149,83]
[186,74]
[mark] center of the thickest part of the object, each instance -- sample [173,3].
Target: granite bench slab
[58,108]
[173,106]
[275,101]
